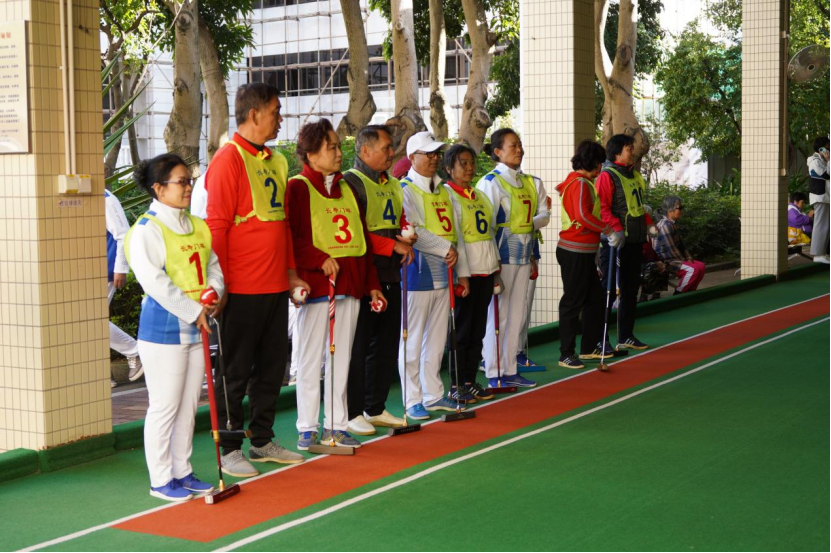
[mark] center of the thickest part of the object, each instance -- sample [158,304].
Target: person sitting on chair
[800,224]
[670,248]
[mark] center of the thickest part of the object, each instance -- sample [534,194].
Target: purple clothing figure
[797,219]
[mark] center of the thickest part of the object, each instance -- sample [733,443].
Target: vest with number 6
[186,255]
[438,211]
[384,202]
[267,177]
[523,203]
[476,217]
[565,219]
[336,222]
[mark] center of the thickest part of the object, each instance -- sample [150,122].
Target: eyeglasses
[430,155]
[181,182]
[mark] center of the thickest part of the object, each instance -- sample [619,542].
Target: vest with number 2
[267,177]
[384,202]
[523,203]
[438,211]
[336,222]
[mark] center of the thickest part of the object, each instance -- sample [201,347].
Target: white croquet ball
[299,294]
[497,288]
[407,232]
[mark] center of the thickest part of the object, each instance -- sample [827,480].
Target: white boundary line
[122,520]
[434,469]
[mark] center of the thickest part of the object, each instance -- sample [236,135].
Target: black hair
[368,135]
[497,140]
[150,171]
[798,196]
[452,155]
[588,156]
[616,144]
[253,96]
[311,138]
[820,142]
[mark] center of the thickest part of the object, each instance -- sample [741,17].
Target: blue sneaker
[418,412]
[518,381]
[306,439]
[499,382]
[341,438]
[192,484]
[443,404]
[172,491]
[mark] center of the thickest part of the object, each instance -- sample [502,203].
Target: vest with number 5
[336,222]
[438,211]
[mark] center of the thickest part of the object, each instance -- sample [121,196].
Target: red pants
[690,273]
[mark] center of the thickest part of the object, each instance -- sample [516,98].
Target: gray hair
[368,135]
[671,203]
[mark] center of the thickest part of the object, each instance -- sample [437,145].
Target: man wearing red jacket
[246,184]
[621,189]
[576,251]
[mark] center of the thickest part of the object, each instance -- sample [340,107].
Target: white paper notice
[14,94]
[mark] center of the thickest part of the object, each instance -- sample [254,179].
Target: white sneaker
[821,259]
[136,368]
[360,427]
[385,419]
[113,383]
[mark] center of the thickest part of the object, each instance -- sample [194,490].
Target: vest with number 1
[438,211]
[267,177]
[336,222]
[476,217]
[523,203]
[384,203]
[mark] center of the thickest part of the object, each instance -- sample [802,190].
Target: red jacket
[357,275]
[605,190]
[255,256]
[578,201]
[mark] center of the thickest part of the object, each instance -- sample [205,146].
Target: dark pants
[255,348]
[582,293]
[471,322]
[629,263]
[374,361]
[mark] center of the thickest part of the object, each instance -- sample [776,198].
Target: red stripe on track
[289,491]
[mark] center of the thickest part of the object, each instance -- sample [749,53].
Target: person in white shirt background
[520,209]
[170,253]
[818,188]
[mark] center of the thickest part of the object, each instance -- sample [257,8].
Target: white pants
[427,314]
[819,236]
[173,374]
[515,279]
[294,339]
[529,301]
[312,329]
[120,341]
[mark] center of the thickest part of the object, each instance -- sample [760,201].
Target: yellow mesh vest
[336,223]
[564,218]
[523,204]
[438,212]
[267,178]
[384,202]
[476,217]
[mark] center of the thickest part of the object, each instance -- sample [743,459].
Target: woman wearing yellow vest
[520,209]
[170,253]
[330,242]
[474,211]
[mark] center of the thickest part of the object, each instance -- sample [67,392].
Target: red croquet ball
[459,290]
[534,275]
[379,305]
[208,296]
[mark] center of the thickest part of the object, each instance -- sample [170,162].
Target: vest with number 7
[438,211]
[186,255]
[523,203]
[337,230]
[384,202]
[267,178]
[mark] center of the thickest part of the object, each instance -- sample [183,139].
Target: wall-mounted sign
[14,92]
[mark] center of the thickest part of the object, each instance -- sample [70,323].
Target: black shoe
[599,354]
[477,391]
[571,362]
[631,343]
[460,394]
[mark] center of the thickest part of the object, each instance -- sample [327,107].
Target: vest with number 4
[336,222]
[565,219]
[438,211]
[476,218]
[633,191]
[384,202]
[523,203]
[186,255]
[267,178]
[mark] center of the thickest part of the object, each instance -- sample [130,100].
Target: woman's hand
[405,250]
[466,285]
[452,257]
[330,268]
[202,320]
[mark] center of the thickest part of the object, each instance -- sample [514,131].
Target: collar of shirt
[466,192]
[510,175]
[321,184]
[173,218]
[375,176]
[250,148]
[425,183]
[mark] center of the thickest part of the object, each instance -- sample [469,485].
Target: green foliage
[650,34]
[701,80]
[797,183]
[726,16]
[730,185]
[662,153]
[231,33]
[710,227]
[126,306]
[505,73]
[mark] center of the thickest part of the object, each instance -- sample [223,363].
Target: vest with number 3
[267,178]
[336,222]
[438,211]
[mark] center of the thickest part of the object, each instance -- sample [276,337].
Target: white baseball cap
[423,142]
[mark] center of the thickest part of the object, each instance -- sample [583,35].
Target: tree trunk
[407,120]
[181,135]
[139,71]
[439,113]
[361,103]
[617,79]
[475,119]
[214,89]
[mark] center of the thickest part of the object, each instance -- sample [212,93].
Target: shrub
[126,307]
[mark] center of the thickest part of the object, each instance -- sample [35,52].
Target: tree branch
[602,62]
[822,8]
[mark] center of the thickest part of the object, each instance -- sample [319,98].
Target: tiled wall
[54,354]
[764,189]
[557,99]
